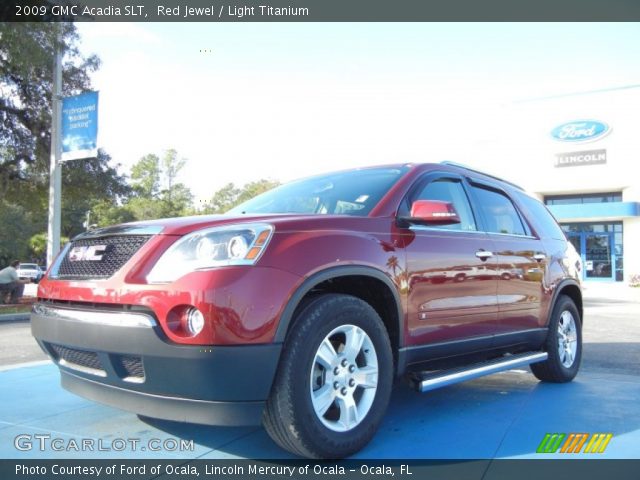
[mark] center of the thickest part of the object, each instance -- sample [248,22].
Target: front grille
[132,366]
[113,253]
[76,357]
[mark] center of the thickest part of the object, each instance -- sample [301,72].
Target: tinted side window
[498,212]
[541,218]
[450,190]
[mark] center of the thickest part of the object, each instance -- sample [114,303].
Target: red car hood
[184,225]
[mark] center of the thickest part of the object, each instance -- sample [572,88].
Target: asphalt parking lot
[502,416]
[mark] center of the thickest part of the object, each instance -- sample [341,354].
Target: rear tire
[563,344]
[334,380]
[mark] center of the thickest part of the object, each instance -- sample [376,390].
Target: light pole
[55,174]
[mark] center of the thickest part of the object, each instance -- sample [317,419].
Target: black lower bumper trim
[103,352]
[167,408]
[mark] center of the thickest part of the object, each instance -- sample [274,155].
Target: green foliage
[177,201]
[16,229]
[155,192]
[90,185]
[171,166]
[229,196]
[145,176]
[107,212]
[85,184]
[26,76]
[38,246]
[26,64]
[223,200]
[175,198]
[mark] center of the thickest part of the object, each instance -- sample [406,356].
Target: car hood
[183,225]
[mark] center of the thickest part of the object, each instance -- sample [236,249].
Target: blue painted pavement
[502,416]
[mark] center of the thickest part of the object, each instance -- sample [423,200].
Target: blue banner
[80,126]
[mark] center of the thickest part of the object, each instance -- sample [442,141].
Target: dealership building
[579,153]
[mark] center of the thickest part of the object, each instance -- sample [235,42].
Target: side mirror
[432,212]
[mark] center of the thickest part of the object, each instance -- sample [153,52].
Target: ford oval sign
[580,131]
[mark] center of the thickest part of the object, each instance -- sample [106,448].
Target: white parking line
[4,368]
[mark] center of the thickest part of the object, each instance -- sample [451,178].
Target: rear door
[452,302]
[521,263]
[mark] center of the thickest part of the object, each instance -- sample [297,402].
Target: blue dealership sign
[580,131]
[80,126]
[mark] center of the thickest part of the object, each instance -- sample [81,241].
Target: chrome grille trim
[112,319]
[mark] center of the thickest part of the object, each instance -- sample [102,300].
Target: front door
[452,274]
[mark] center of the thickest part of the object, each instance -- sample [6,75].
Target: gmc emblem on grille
[93,253]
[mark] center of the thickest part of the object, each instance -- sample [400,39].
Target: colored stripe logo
[574,443]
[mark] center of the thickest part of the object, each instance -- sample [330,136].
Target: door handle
[483,254]
[538,257]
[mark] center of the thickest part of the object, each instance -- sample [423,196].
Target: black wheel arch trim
[556,292]
[335,272]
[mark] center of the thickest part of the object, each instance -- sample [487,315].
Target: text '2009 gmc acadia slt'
[299,307]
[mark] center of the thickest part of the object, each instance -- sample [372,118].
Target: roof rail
[461,165]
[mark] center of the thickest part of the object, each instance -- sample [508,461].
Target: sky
[245,101]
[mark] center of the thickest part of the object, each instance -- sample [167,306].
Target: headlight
[212,247]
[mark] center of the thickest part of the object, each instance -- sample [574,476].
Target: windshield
[354,192]
[28,266]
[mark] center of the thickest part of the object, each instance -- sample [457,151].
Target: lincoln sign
[575,159]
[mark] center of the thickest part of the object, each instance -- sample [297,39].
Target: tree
[229,196]
[145,176]
[26,83]
[171,166]
[38,247]
[176,198]
[223,199]
[157,194]
[177,202]
[26,77]
[253,189]
[107,213]
[85,184]
[16,229]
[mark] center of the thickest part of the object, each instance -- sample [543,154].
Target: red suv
[299,307]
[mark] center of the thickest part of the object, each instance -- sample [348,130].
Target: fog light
[195,321]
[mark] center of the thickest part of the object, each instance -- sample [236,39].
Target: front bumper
[123,359]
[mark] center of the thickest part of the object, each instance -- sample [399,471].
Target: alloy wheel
[344,378]
[567,339]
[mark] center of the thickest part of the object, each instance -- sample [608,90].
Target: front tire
[564,344]
[334,380]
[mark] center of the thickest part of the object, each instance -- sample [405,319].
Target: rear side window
[450,190]
[540,217]
[498,212]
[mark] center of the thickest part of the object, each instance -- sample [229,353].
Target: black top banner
[320,10]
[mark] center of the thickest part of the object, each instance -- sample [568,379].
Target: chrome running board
[423,382]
